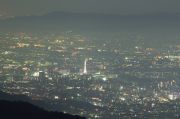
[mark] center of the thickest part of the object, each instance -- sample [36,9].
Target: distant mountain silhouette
[24,110]
[90,21]
[150,29]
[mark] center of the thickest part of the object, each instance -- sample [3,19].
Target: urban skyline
[95,59]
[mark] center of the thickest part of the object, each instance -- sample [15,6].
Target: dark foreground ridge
[24,110]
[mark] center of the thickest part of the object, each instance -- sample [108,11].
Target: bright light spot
[56,97]
[123,99]
[152,105]
[104,79]
[171,97]
[36,74]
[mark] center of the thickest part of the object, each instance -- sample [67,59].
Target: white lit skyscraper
[85,67]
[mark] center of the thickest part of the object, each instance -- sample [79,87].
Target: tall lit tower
[85,67]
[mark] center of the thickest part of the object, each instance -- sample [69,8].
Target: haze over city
[94,59]
[33,7]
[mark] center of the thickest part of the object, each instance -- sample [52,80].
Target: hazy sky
[29,7]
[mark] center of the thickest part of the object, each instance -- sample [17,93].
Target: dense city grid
[78,74]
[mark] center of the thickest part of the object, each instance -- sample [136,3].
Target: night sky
[32,7]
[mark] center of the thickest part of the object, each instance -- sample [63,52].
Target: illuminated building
[41,75]
[85,67]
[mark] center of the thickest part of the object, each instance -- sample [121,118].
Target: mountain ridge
[62,13]
[25,110]
[20,107]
